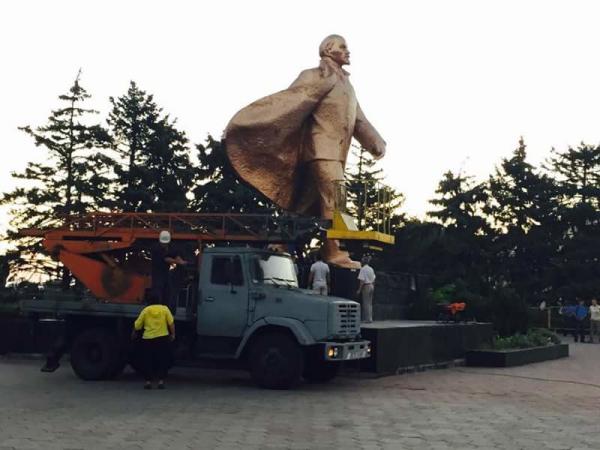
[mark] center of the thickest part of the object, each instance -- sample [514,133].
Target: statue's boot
[332,254]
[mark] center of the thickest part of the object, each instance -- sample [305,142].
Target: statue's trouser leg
[326,175]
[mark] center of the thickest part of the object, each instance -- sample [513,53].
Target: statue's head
[334,46]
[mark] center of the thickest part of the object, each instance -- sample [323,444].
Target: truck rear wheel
[317,370]
[95,354]
[276,361]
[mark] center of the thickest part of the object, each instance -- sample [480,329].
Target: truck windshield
[274,269]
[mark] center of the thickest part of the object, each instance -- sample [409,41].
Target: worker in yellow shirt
[158,325]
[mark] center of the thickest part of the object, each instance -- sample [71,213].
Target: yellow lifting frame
[344,229]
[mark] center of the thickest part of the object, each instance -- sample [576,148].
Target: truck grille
[346,319]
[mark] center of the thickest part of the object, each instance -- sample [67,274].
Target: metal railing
[551,318]
[186,226]
[369,202]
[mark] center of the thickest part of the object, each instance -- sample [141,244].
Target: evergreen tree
[577,264]
[218,189]
[73,178]
[368,199]
[154,172]
[463,256]
[578,174]
[461,203]
[519,194]
[8,262]
[523,209]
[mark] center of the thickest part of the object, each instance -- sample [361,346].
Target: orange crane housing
[104,251]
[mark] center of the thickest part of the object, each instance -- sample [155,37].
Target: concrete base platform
[399,345]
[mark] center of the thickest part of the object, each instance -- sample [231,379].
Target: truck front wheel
[276,361]
[94,354]
[317,370]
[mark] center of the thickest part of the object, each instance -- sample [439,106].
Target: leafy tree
[153,169]
[72,180]
[417,248]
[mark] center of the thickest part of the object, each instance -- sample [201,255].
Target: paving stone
[547,405]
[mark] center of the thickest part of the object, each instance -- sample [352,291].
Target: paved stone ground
[551,405]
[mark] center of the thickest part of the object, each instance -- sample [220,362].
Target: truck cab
[245,309]
[250,307]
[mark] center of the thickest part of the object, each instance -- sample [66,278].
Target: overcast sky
[450,85]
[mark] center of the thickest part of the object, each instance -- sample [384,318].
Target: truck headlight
[333,352]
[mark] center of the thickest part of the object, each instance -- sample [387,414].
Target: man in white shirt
[594,319]
[366,278]
[318,279]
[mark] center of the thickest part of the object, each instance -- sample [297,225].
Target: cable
[550,380]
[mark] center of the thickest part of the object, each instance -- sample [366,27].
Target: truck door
[223,306]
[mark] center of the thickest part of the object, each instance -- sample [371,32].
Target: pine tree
[522,197]
[73,178]
[523,209]
[461,203]
[217,188]
[153,169]
[8,262]
[578,174]
[463,249]
[577,264]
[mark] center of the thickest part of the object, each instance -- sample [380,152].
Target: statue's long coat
[267,141]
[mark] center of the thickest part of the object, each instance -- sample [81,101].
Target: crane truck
[241,305]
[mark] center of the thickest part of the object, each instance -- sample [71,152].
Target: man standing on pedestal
[292,146]
[318,279]
[366,288]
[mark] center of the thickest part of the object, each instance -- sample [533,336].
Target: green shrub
[545,336]
[444,294]
[537,337]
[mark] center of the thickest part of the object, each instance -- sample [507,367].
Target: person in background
[594,319]
[366,278]
[580,313]
[318,278]
[568,312]
[164,255]
[158,326]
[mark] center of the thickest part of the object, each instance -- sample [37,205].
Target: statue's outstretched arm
[367,135]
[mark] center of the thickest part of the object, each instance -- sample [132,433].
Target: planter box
[515,357]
